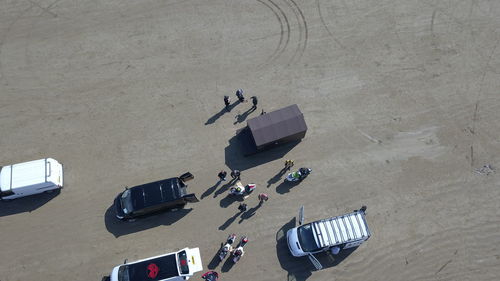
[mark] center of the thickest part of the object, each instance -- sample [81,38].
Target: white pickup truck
[334,234]
[176,266]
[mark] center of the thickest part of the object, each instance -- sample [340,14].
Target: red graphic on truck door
[152,270]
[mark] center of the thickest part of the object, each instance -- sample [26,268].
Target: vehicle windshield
[306,238]
[126,201]
[183,262]
[123,274]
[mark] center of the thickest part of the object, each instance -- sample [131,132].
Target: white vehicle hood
[194,260]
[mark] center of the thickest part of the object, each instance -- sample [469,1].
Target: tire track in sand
[303,31]
[281,10]
[282,30]
[283,20]
[323,22]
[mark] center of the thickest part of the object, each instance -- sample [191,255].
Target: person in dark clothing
[227,101]
[235,174]
[222,175]
[254,102]
[211,276]
[239,95]
[242,207]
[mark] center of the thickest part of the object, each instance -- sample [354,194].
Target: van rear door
[54,172]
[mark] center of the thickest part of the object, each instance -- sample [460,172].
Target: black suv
[158,196]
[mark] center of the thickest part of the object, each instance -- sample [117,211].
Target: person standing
[254,102]
[227,102]
[235,174]
[222,175]
[210,276]
[262,197]
[239,95]
[242,207]
[288,164]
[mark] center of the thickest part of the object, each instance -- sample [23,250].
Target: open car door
[191,198]
[315,262]
[301,215]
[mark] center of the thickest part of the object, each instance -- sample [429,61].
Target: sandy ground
[401,98]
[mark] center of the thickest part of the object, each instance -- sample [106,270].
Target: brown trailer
[273,129]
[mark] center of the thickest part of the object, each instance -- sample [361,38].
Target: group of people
[236,176]
[241,98]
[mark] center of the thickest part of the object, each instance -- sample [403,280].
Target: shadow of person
[285,186]
[223,188]
[229,221]
[228,264]
[276,178]
[26,204]
[216,260]
[119,228]
[249,213]
[210,190]
[243,116]
[230,199]
[223,111]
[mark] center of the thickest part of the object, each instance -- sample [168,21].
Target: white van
[176,266]
[28,178]
[332,234]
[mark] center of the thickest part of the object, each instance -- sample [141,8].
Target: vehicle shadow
[229,221]
[223,111]
[300,268]
[230,199]
[297,268]
[26,204]
[210,190]
[285,186]
[119,228]
[215,260]
[236,160]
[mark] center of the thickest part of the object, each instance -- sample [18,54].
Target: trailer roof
[276,125]
[164,267]
[23,174]
[341,229]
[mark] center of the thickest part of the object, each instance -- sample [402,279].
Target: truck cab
[175,266]
[331,234]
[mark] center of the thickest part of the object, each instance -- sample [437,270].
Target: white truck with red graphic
[176,266]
